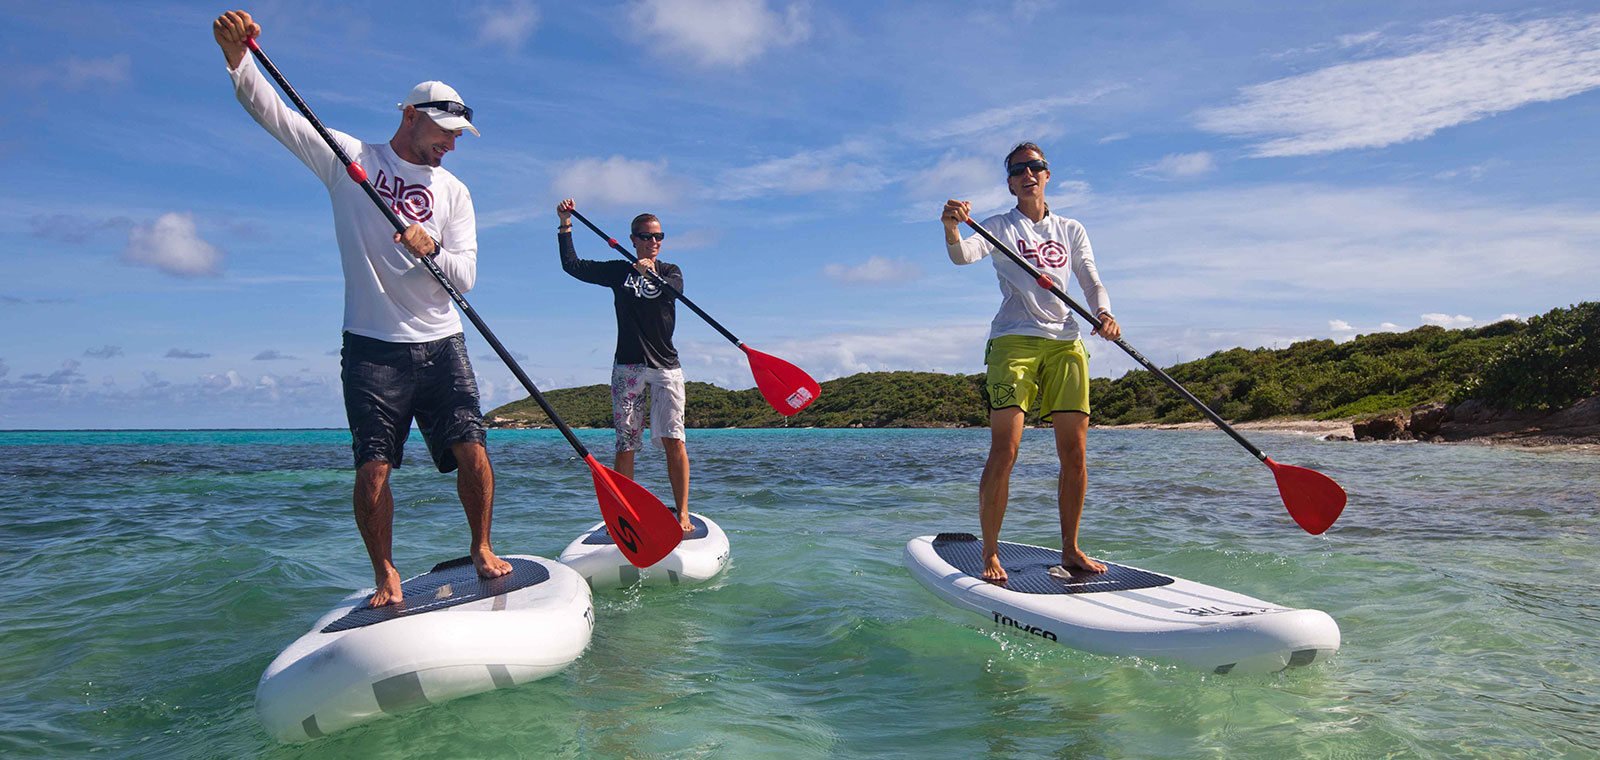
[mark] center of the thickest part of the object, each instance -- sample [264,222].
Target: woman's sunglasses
[1037,165]
[656,236]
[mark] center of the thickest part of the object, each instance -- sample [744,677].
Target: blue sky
[1250,174]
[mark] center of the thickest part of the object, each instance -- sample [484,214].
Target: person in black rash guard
[645,357]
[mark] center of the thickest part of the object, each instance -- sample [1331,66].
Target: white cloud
[1339,326]
[614,181]
[1030,118]
[1180,166]
[1389,327]
[1111,138]
[1296,244]
[720,32]
[508,25]
[876,269]
[172,245]
[1462,70]
[836,169]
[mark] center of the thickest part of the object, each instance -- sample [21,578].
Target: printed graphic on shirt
[413,202]
[1049,253]
[642,286]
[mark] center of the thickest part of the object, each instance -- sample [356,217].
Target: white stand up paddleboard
[697,559]
[1122,611]
[452,635]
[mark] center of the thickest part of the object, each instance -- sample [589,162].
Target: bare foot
[488,565]
[388,592]
[685,523]
[1074,558]
[993,571]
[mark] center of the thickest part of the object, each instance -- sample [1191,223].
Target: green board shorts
[1028,372]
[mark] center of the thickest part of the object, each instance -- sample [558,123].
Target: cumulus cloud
[270,355]
[1460,70]
[615,181]
[876,269]
[172,245]
[103,352]
[183,353]
[508,25]
[720,32]
[1461,320]
[837,169]
[1180,166]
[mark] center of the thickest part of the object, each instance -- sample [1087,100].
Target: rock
[1425,421]
[1391,428]
[1337,437]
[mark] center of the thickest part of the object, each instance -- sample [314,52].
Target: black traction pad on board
[447,585]
[1028,568]
[603,535]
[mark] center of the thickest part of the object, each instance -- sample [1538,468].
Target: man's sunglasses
[1037,165]
[450,107]
[656,236]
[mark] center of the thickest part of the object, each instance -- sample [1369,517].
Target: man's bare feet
[685,523]
[1075,558]
[388,583]
[488,565]
[993,571]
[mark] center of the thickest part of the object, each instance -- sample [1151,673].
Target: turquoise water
[153,575]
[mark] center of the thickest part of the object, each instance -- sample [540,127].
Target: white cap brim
[452,123]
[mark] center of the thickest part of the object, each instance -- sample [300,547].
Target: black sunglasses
[450,107]
[656,236]
[1037,165]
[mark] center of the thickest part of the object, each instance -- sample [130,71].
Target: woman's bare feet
[993,571]
[684,522]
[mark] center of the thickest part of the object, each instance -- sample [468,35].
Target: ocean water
[153,575]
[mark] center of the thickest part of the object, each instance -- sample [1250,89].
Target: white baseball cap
[442,104]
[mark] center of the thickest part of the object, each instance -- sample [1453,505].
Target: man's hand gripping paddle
[787,388]
[1313,499]
[644,528]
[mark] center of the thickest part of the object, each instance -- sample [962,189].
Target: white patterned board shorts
[628,384]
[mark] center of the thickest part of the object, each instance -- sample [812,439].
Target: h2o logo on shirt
[642,286]
[1049,253]
[413,202]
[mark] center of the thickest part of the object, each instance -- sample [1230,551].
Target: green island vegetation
[1549,362]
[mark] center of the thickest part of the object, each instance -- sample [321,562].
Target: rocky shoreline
[1576,428]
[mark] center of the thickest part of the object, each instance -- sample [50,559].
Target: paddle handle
[359,176]
[1048,283]
[659,281]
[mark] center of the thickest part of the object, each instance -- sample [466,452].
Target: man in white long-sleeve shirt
[1034,355]
[404,354]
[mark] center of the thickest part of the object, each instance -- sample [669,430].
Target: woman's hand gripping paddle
[787,388]
[644,528]
[1313,499]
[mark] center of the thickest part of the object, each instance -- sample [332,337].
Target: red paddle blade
[1313,499]
[642,527]
[787,388]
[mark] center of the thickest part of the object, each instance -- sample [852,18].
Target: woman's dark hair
[640,221]
[1022,146]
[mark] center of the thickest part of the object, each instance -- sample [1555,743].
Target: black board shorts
[386,385]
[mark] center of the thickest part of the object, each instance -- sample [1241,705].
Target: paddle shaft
[663,283]
[1041,279]
[359,175]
